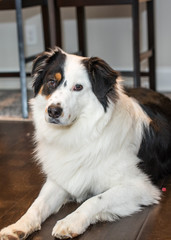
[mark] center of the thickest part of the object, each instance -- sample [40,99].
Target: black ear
[40,65]
[102,77]
[38,71]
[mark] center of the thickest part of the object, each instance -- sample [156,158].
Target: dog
[98,144]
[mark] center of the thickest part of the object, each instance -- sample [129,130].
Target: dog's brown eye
[78,87]
[52,83]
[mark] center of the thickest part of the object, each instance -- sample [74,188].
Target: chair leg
[151,43]
[21,58]
[136,43]
[46,24]
[58,24]
[81,26]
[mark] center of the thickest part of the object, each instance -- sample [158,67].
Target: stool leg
[81,26]
[57,14]
[21,58]
[151,43]
[136,43]
[46,24]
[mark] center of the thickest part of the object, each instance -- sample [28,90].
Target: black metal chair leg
[21,58]
[151,43]
[46,25]
[136,43]
[58,25]
[81,26]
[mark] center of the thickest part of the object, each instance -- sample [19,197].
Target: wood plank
[131,73]
[81,3]
[146,55]
[10,4]
[13,74]
[143,1]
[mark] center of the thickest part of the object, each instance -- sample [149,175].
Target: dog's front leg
[50,199]
[121,200]
[77,222]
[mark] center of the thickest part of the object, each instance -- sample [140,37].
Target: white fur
[89,153]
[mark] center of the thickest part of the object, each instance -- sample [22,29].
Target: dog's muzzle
[54,112]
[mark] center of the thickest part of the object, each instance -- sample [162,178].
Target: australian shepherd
[97,144]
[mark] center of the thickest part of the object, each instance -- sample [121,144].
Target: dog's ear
[40,66]
[102,77]
[38,71]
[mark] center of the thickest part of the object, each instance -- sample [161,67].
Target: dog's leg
[116,202]
[50,199]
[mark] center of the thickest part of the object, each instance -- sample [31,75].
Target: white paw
[17,231]
[70,227]
[10,233]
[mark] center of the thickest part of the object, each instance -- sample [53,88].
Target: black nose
[54,111]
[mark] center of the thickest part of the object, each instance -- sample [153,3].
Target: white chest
[80,173]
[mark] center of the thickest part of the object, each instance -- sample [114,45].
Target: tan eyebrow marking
[58,76]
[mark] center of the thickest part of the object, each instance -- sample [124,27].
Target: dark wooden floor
[20,182]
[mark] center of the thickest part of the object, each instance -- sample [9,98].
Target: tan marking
[41,92]
[10,237]
[41,89]
[58,76]
[65,233]
[48,96]
[74,235]
[20,234]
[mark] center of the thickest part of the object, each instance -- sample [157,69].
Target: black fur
[155,149]
[65,83]
[103,78]
[44,68]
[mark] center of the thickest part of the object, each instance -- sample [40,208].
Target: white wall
[109,36]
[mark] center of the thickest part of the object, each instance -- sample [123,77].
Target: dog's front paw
[70,227]
[18,231]
[9,233]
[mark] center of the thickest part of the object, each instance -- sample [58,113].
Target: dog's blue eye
[78,87]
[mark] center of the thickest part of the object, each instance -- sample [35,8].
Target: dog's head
[71,83]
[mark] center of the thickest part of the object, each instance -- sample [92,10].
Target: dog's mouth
[56,121]
[53,121]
